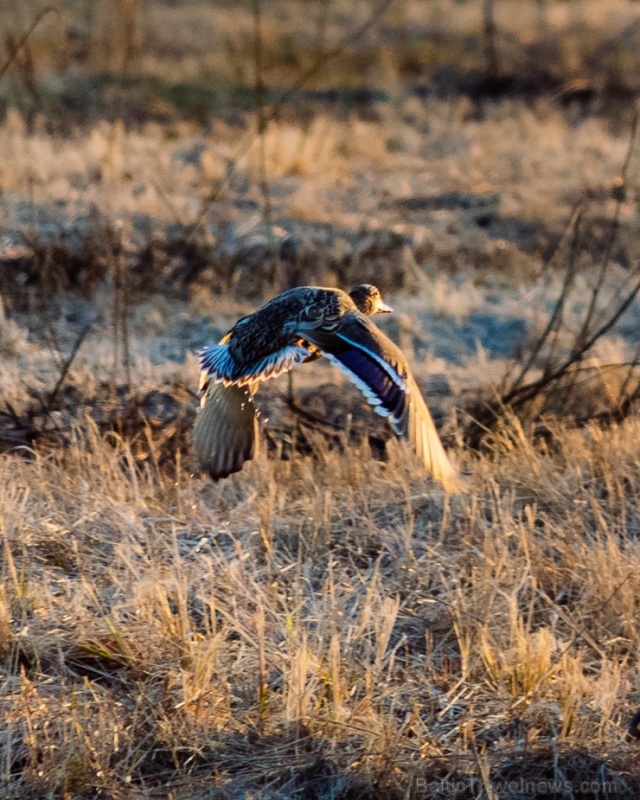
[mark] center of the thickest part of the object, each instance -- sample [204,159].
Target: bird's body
[300,325]
[269,341]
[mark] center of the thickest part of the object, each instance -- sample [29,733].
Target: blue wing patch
[386,395]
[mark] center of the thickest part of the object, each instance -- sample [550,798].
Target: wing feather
[378,368]
[217,364]
[225,433]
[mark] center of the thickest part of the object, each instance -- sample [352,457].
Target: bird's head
[368,300]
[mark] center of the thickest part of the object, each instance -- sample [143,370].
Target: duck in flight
[297,326]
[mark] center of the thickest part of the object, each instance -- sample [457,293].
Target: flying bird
[297,326]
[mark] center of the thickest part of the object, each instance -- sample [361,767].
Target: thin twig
[292,405]
[66,366]
[586,337]
[556,314]
[490,47]
[261,106]
[568,225]
[25,38]
[525,393]
[620,194]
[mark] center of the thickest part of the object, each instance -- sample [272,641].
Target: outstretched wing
[217,363]
[225,433]
[378,368]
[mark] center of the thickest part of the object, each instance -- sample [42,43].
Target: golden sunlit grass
[410,172]
[326,624]
[159,630]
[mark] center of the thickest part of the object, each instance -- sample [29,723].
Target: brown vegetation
[327,623]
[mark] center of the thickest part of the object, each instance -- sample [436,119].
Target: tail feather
[225,433]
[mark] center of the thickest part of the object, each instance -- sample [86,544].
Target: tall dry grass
[324,624]
[327,620]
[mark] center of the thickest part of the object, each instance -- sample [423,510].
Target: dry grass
[427,187]
[194,42]
[326,624]
[323,621]
[450,181]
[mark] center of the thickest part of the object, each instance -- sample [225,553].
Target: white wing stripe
[391,372]
[366,390]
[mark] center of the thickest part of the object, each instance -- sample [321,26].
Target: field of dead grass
[326,624]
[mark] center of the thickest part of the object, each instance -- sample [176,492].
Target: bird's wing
[225,433]
[217,364]
[377,367]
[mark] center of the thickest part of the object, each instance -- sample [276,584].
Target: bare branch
[25,38]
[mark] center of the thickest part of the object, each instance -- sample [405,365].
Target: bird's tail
[225,433]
